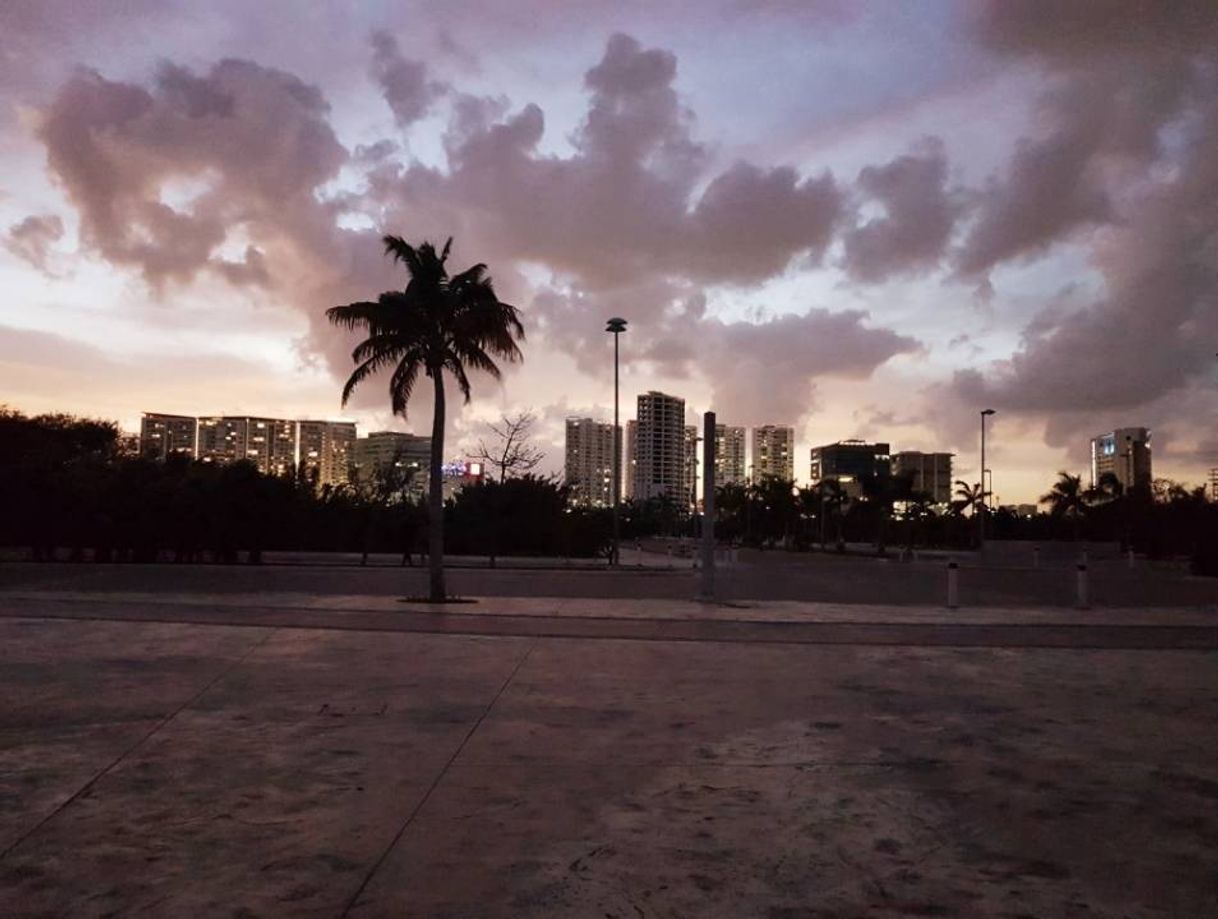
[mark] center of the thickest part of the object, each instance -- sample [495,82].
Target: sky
[862,219]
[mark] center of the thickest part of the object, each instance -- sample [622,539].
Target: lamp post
[985,503]
[617,326]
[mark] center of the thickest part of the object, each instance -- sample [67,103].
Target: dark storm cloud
[403,82]
[1131,126]
[919,214]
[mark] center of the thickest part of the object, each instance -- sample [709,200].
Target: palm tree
[968,498]
[439,323]
[1067,498]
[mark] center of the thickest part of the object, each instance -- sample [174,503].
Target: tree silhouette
[510,452]
[1067,498]
[439,323]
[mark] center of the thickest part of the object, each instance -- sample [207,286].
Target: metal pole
[708,506]
[984,503]
[617,458]
[1083,601]
[953,585]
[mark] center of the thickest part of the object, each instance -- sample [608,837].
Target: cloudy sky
[866,220]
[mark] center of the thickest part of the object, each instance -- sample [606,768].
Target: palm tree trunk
[435,504]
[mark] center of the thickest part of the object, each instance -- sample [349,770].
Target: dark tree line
[67,493]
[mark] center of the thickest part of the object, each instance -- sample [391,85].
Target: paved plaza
[279,749]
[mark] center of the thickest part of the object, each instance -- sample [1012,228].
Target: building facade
[929,473]
[631,462]
[774,452]
[162,435]
[325,451]
[660,460]
[849,463]
[1124,453]
[729,455]
[268,443]
[692,464]
[390,448]
[588,462]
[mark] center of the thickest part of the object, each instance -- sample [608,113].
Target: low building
[381,449]
[850,463]
[929,473]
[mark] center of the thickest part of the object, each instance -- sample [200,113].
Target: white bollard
[953,585]
[1129,559]
[1036,556]
[1081,598]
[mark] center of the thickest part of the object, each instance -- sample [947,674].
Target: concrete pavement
[307,759]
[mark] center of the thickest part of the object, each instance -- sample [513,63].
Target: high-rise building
[268,443]
[660,449]
[222,439]
[325,448]
[690,488]
[849,463]
[166,435]
[632,441]
[729,455]
[929,473]
[774,452]
[1125,453]
[1214,483]
[588,470]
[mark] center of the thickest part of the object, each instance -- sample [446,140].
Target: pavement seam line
[414,812]
[88,786]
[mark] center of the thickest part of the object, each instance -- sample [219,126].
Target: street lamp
[617,326]
[985,504]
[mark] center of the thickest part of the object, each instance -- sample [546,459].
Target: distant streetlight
[985,503]
[616,326]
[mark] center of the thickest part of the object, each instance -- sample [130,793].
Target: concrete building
[1214,484]
[384,448]
[325,450]
[588,465]
[692,464]
[773,452]
[929,473]
[730,467]
[164,435]
[1125,453]
[660,465]
[268,443]
[849,462]
[631,461]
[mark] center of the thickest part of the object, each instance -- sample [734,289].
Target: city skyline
[911,221]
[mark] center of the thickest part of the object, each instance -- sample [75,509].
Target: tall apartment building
[631,460]
[588,467]
[1214,483]
[1125,453]
[660,462]
[325,450]
[165,435]
[729,455]
[692,463]
[849,462]
[929,473]
[268,443]
[773,452]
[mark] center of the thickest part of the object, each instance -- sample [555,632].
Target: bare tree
[510,451]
